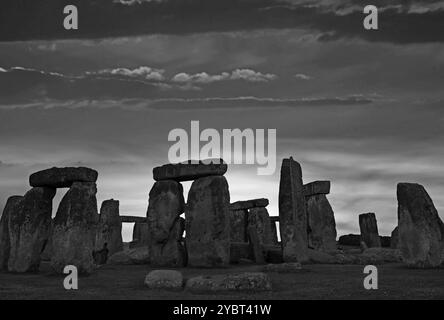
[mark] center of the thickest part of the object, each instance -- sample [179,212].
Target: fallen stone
[369,230]
[189,171]
[29,227]
[5,241]
[164,279]
[136,256]
[353,240]
[165,227]
[250,281]
[291,267]
[208,222]
[249,204]
[75,227]
[421,231]
[317,188]
[62,177]
[292,212]
[109,231]
[321,223]
[238,225]
[319,257]
[260,219]
[394,242]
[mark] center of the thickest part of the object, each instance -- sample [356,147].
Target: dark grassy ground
[316,282]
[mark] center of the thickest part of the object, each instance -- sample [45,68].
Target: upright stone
[75,227]
[292,212]
[259,219]
[238,225]
[109,230]
[165,226]
[369,230]
[274,232]
[394,240]
[208,222]
[62,177]
[321,223]
[421,231]
[5,241]
[29,226]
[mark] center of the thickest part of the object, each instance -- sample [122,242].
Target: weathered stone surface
[394,242]
[189,171]
[353,240]
[164,279]
[316,188]
[29,227]
[260,219]
[62,177]
[75,226]
[238,225]
[321,223]
[421,231]
[165,227]
[47,250]
[208,222]
[136,256]
[5,241]
[109,230]
[239,251]
[369,230]
[140,235]
[250,281]
[249,204]
[292,212]
[255,245]
[291,267]
[320,257]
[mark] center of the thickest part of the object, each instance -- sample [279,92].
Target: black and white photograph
[236,153]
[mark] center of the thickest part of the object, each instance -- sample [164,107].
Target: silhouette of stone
[189,171]
[208,222]
[5,241]
[394,242]
[321,223]
[249,204]
[421,231]
[75,227]
[164,279]
[29,227]
[256,246]
[274,233]
[100,257]
[47,248]
[316,188]
[292,212]
[385,241]
[238,225]
[369,230]
[109,230]
[353,240]
[165,227]
[249,281]
[260,219]
[140,235]
[62,177]
[136,256]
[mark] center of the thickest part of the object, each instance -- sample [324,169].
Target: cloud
[143,72]
[302,76]
[238,74]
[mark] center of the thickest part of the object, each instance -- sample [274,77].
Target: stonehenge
[206,230]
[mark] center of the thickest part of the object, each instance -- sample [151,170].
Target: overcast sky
[363,109]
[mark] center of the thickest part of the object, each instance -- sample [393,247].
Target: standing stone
[292,212]
[421,231]
[109,230]
[165,226]
[208,222]
[394,241]
[75,227]
[238,225]
[140,235]
[5,241]
[369,230]
[47,250]
[29,227]
[260,219]
[321,223]
[274,233]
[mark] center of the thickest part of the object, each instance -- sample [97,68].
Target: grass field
[315,282]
